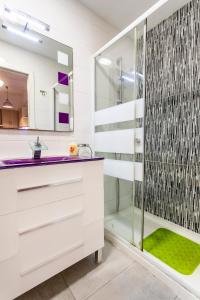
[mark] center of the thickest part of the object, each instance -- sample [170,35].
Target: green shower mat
[176,251]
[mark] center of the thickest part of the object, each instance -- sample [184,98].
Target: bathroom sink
[25,161]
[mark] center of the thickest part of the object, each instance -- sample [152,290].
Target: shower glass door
[119,112]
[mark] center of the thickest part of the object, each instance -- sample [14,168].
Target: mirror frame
[7,66]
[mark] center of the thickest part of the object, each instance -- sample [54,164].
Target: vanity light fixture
[105,61]
[7,103]
[1,83]
[23,34]
[17,16]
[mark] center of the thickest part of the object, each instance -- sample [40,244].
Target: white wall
[72,24]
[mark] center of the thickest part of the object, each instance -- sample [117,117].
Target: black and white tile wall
[172,146]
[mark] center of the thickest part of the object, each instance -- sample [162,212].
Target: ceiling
[121,13]
[16,82]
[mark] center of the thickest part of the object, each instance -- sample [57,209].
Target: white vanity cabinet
[51,216]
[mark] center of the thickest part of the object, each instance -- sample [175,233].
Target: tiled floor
[118,277]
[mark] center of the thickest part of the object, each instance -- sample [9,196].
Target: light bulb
[1,83]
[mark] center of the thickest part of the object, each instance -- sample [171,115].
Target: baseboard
[139,256]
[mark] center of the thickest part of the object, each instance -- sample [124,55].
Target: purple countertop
[51,160]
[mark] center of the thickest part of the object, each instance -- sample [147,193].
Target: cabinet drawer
[34,176]
[47,184]
[45,242]
[39,217]
[34,196]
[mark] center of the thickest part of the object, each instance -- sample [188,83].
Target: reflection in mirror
[36,82]
[13,99]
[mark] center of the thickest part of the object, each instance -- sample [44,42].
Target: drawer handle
[53,258]
[73,180]
[49,223]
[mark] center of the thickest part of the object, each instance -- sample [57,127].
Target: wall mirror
[36,82]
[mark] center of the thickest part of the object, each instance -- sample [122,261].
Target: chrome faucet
[37,144]
[37,149]
[83,150]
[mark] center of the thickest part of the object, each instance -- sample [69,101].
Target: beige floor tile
[30,295]
[52,289]
[85,277]
[136,283]
[118,277]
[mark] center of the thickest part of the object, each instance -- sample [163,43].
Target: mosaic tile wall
[172,171]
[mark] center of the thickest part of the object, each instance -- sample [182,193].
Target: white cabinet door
[93,192]
[8,196]
[8,223]
[8,237]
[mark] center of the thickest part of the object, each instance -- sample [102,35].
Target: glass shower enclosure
[147,89]
[119,132]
